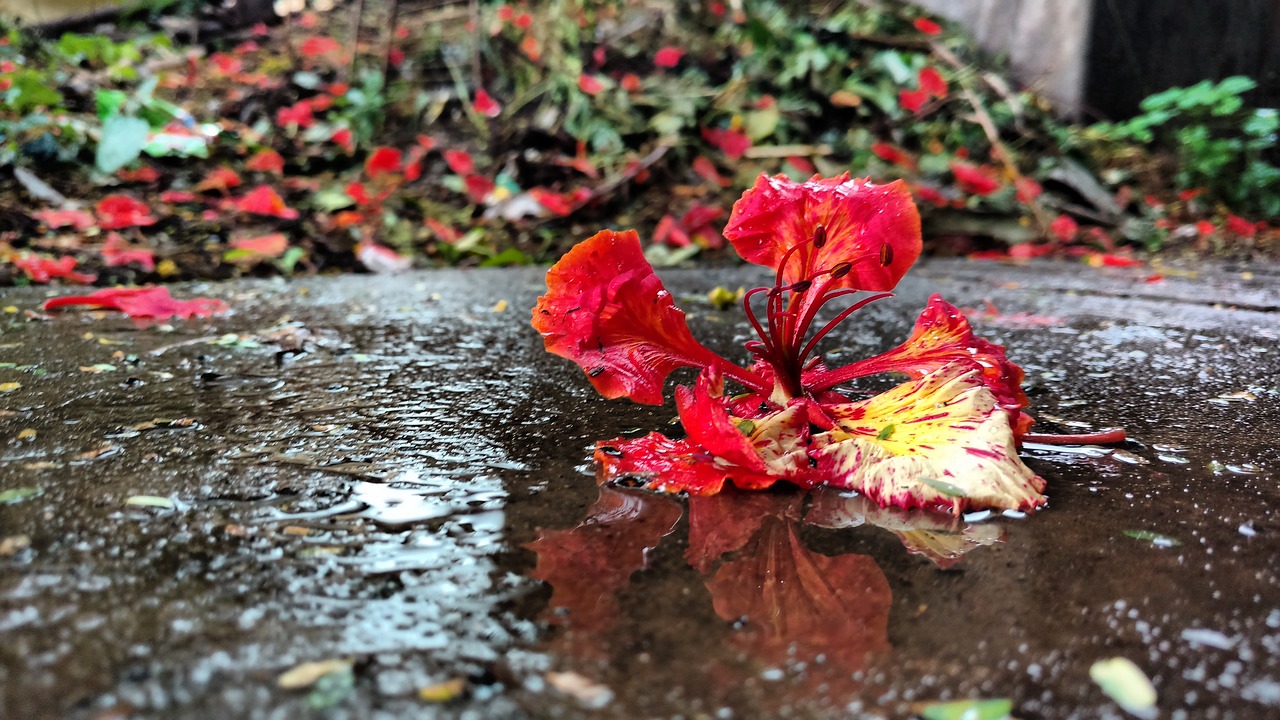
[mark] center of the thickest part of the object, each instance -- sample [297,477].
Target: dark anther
[842,269]
[802,286]
[886,255]
[819,236]
[611,451]
[596,372]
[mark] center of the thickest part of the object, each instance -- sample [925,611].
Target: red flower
[116,252]
[42,269]
[459,161]
[732,143]
[929,85]
[668,57]
[630,82]
[590,84]
[78,219]
[296,115]
[343,138]
[313,46]
[264,246]
[381,161]
[220,178]
[973,179]
[486,105]
[1065,228]
[1027,189]
[893,154]
[706,170]
[524,21]
[478,188]
[149,302]
[143,174]
[357,192]
[1205,228]
[264,200]
[266,160]
[1240,226]
[946,438]
[927,26]
[121,211]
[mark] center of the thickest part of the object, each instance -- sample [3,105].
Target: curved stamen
[766,339]
[844,315]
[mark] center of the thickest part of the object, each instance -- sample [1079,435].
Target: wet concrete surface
[201,508]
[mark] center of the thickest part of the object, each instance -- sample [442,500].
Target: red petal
[931,82]
[865,225]
[263,200]
[219,178]
[459,161]
[150,302]
[668,57]
[116,252]
[486,105]
[975,180]
[121,211]
[732,143]
[941,336]
[606,310]
[927,26]
[271,246]
[78,219]
[703,415]
[266,161]
[661,464]
[1064,227]
[381,161]
[589,84]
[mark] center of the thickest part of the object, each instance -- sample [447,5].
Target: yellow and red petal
[939,442]
[874,228]
[606,310]
[942,335]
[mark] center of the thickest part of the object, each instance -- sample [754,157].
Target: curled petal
[937,442]
[705,419]
[874,228]
[606,310]
[942,335]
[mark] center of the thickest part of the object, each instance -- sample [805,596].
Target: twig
[785,151]
[998,148]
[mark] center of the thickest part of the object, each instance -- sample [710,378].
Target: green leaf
[1126,684]
[1153,537]
[8,497]
[150,501]
[30,90]
[109,103]
[760,124]
[122,141]
[177,145]
[996,709]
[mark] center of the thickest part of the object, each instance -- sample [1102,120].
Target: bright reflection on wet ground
[411,493]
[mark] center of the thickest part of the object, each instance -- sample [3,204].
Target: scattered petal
[147,302]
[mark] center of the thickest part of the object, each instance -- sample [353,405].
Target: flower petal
[874,228]
[606,310]
[937,442]
[661,464]
[942,335]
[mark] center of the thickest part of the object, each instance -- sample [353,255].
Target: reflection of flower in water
[790,605]
[794,603]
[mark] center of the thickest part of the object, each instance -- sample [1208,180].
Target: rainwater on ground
[391,473]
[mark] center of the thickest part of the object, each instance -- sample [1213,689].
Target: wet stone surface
[392,471]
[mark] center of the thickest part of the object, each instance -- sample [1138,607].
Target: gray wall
[1045,40]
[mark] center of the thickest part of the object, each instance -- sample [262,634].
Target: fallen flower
[486,105]
[143,302]
[459,161]
[121,211]
[1064,228]
[263,200]
[54,219]
[668,57]
[116,252]
[945,439]
[733,143]
[381,259]
[42,269]
[973,179]
[266,160]
[221,178]
[381,161]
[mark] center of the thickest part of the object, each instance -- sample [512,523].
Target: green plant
[1219,142]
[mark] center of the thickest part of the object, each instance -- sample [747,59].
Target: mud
[392,471]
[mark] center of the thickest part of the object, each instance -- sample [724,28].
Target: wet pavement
[391,472]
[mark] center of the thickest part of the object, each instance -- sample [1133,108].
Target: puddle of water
[414,496]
